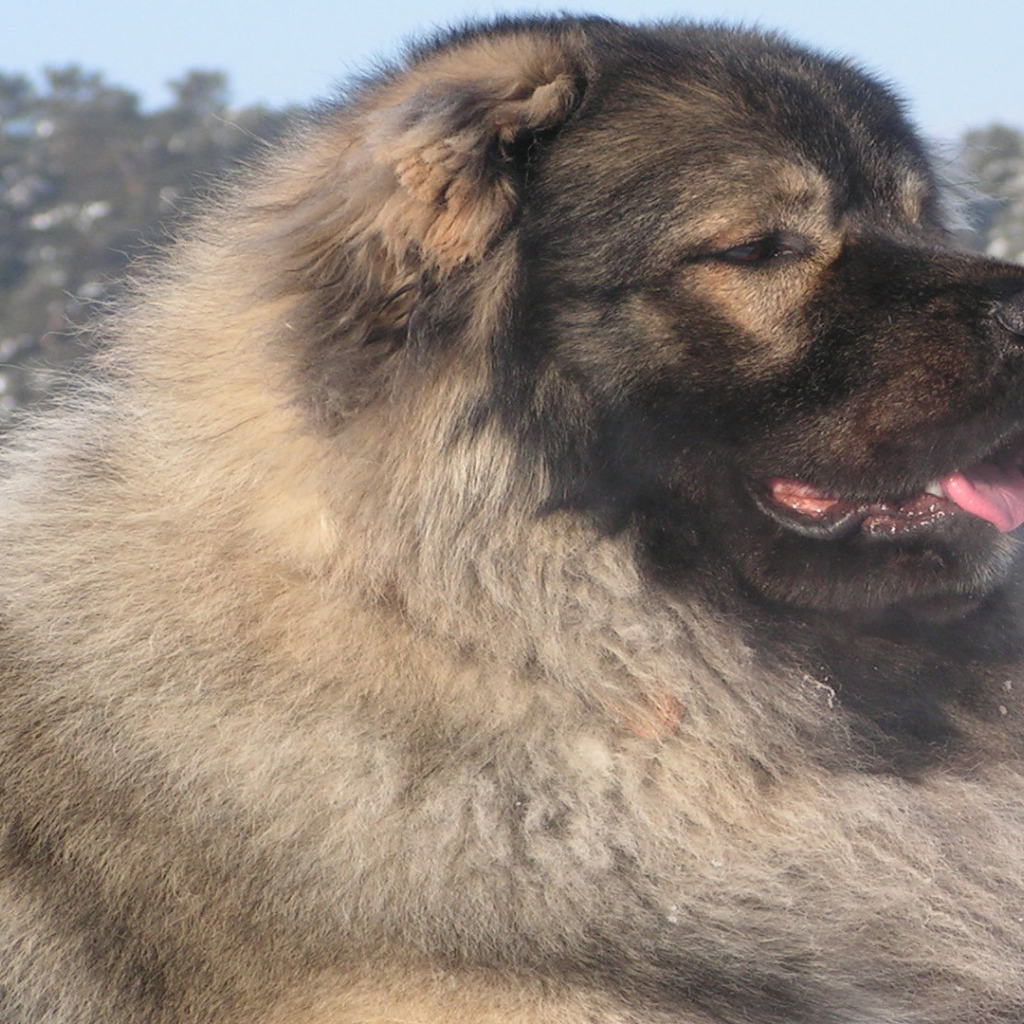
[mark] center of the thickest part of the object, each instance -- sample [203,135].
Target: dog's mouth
[991,491]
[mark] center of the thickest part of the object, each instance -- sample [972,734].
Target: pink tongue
[993,493]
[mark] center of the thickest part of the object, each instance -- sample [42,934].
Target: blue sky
[959,63]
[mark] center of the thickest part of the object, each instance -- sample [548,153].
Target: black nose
[1010,313]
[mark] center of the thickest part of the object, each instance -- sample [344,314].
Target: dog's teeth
[934,488]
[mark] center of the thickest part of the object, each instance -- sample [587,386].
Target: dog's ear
[446,134]
[418,173]
[423,165]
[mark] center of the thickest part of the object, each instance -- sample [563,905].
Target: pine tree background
[88,181]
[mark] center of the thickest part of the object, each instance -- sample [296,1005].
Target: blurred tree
[994,159]
[86,179]
[200,94]
[16,96]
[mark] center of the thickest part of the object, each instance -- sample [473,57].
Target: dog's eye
[760,250]
[752,252]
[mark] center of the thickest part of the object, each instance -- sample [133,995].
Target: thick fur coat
[541,547]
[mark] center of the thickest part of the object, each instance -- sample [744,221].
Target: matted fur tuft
[495,573]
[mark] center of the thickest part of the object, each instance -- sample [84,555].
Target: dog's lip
[989,490]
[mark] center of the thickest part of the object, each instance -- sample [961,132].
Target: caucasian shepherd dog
[543,548]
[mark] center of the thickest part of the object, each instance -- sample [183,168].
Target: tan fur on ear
[414,173]
[440,129]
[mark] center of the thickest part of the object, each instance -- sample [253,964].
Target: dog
[541,546]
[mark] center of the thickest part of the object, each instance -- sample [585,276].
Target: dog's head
[721,303]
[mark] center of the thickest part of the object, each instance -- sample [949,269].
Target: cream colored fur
[335,723]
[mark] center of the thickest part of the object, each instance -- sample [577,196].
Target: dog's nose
[1010,313]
